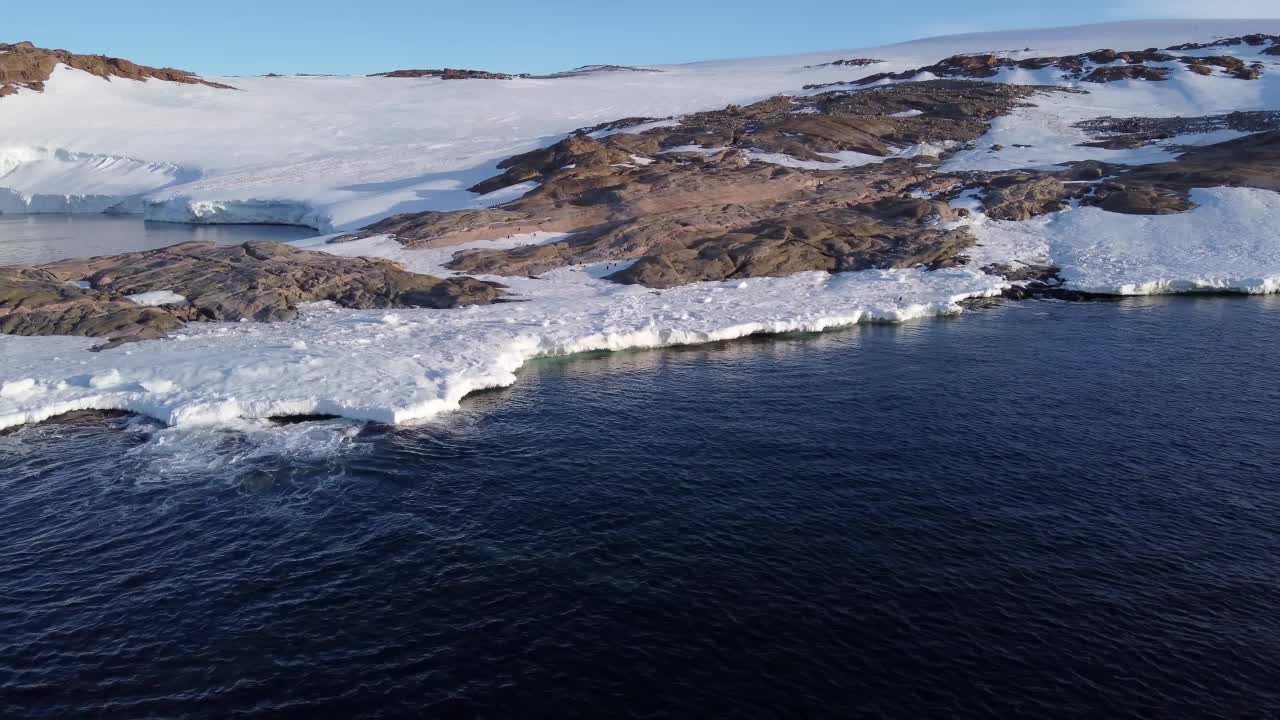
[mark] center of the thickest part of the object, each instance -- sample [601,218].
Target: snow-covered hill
[341,152]
[337,153]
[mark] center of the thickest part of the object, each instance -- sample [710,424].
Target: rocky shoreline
[840,180]
[742,192]
[25,66]
[105,297]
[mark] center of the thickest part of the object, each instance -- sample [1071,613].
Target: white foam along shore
[414,364]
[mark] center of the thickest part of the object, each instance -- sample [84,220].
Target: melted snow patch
[158,297]
[236,212]
[848,158]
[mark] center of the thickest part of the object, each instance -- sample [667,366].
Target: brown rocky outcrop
[579,150]
[1255,40]
[260,281]
[1142,200]
[445,74]
[1251,161]
[265,281]
[838,240]
[34,301]
[592,70]
[1023,196]
[25,65]
[1164,188]
[692,204]
[1098,66]
[1114,73]
[1132,132]
[846,62]
[696,200]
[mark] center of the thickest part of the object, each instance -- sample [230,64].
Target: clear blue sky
[363,36]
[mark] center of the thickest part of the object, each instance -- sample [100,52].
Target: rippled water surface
[1035,510]
[34,239]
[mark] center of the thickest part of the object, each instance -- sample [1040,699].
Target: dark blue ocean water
[1037,510]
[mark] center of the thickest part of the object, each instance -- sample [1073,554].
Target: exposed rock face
[1125,133]
[445,74]
[1142,200]
[692,204]
[743,191]
[684,174]
[1095,67]
[36,302]
[1164,188]
[848,62]
[265,281]
[577,150]
[1022,197]
[593,70]
[614,125]
[1255,40]
[839,240]
[1126,72]
[25,65]
[260,281]
[463,74]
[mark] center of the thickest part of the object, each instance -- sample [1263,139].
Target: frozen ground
[336,153]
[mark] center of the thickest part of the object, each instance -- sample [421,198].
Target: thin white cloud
[1198,8]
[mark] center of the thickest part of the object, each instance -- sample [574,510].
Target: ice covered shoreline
[412,365]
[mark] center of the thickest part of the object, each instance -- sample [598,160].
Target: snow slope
[341,152]
[337,153]
[43,180]
[1229,242]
